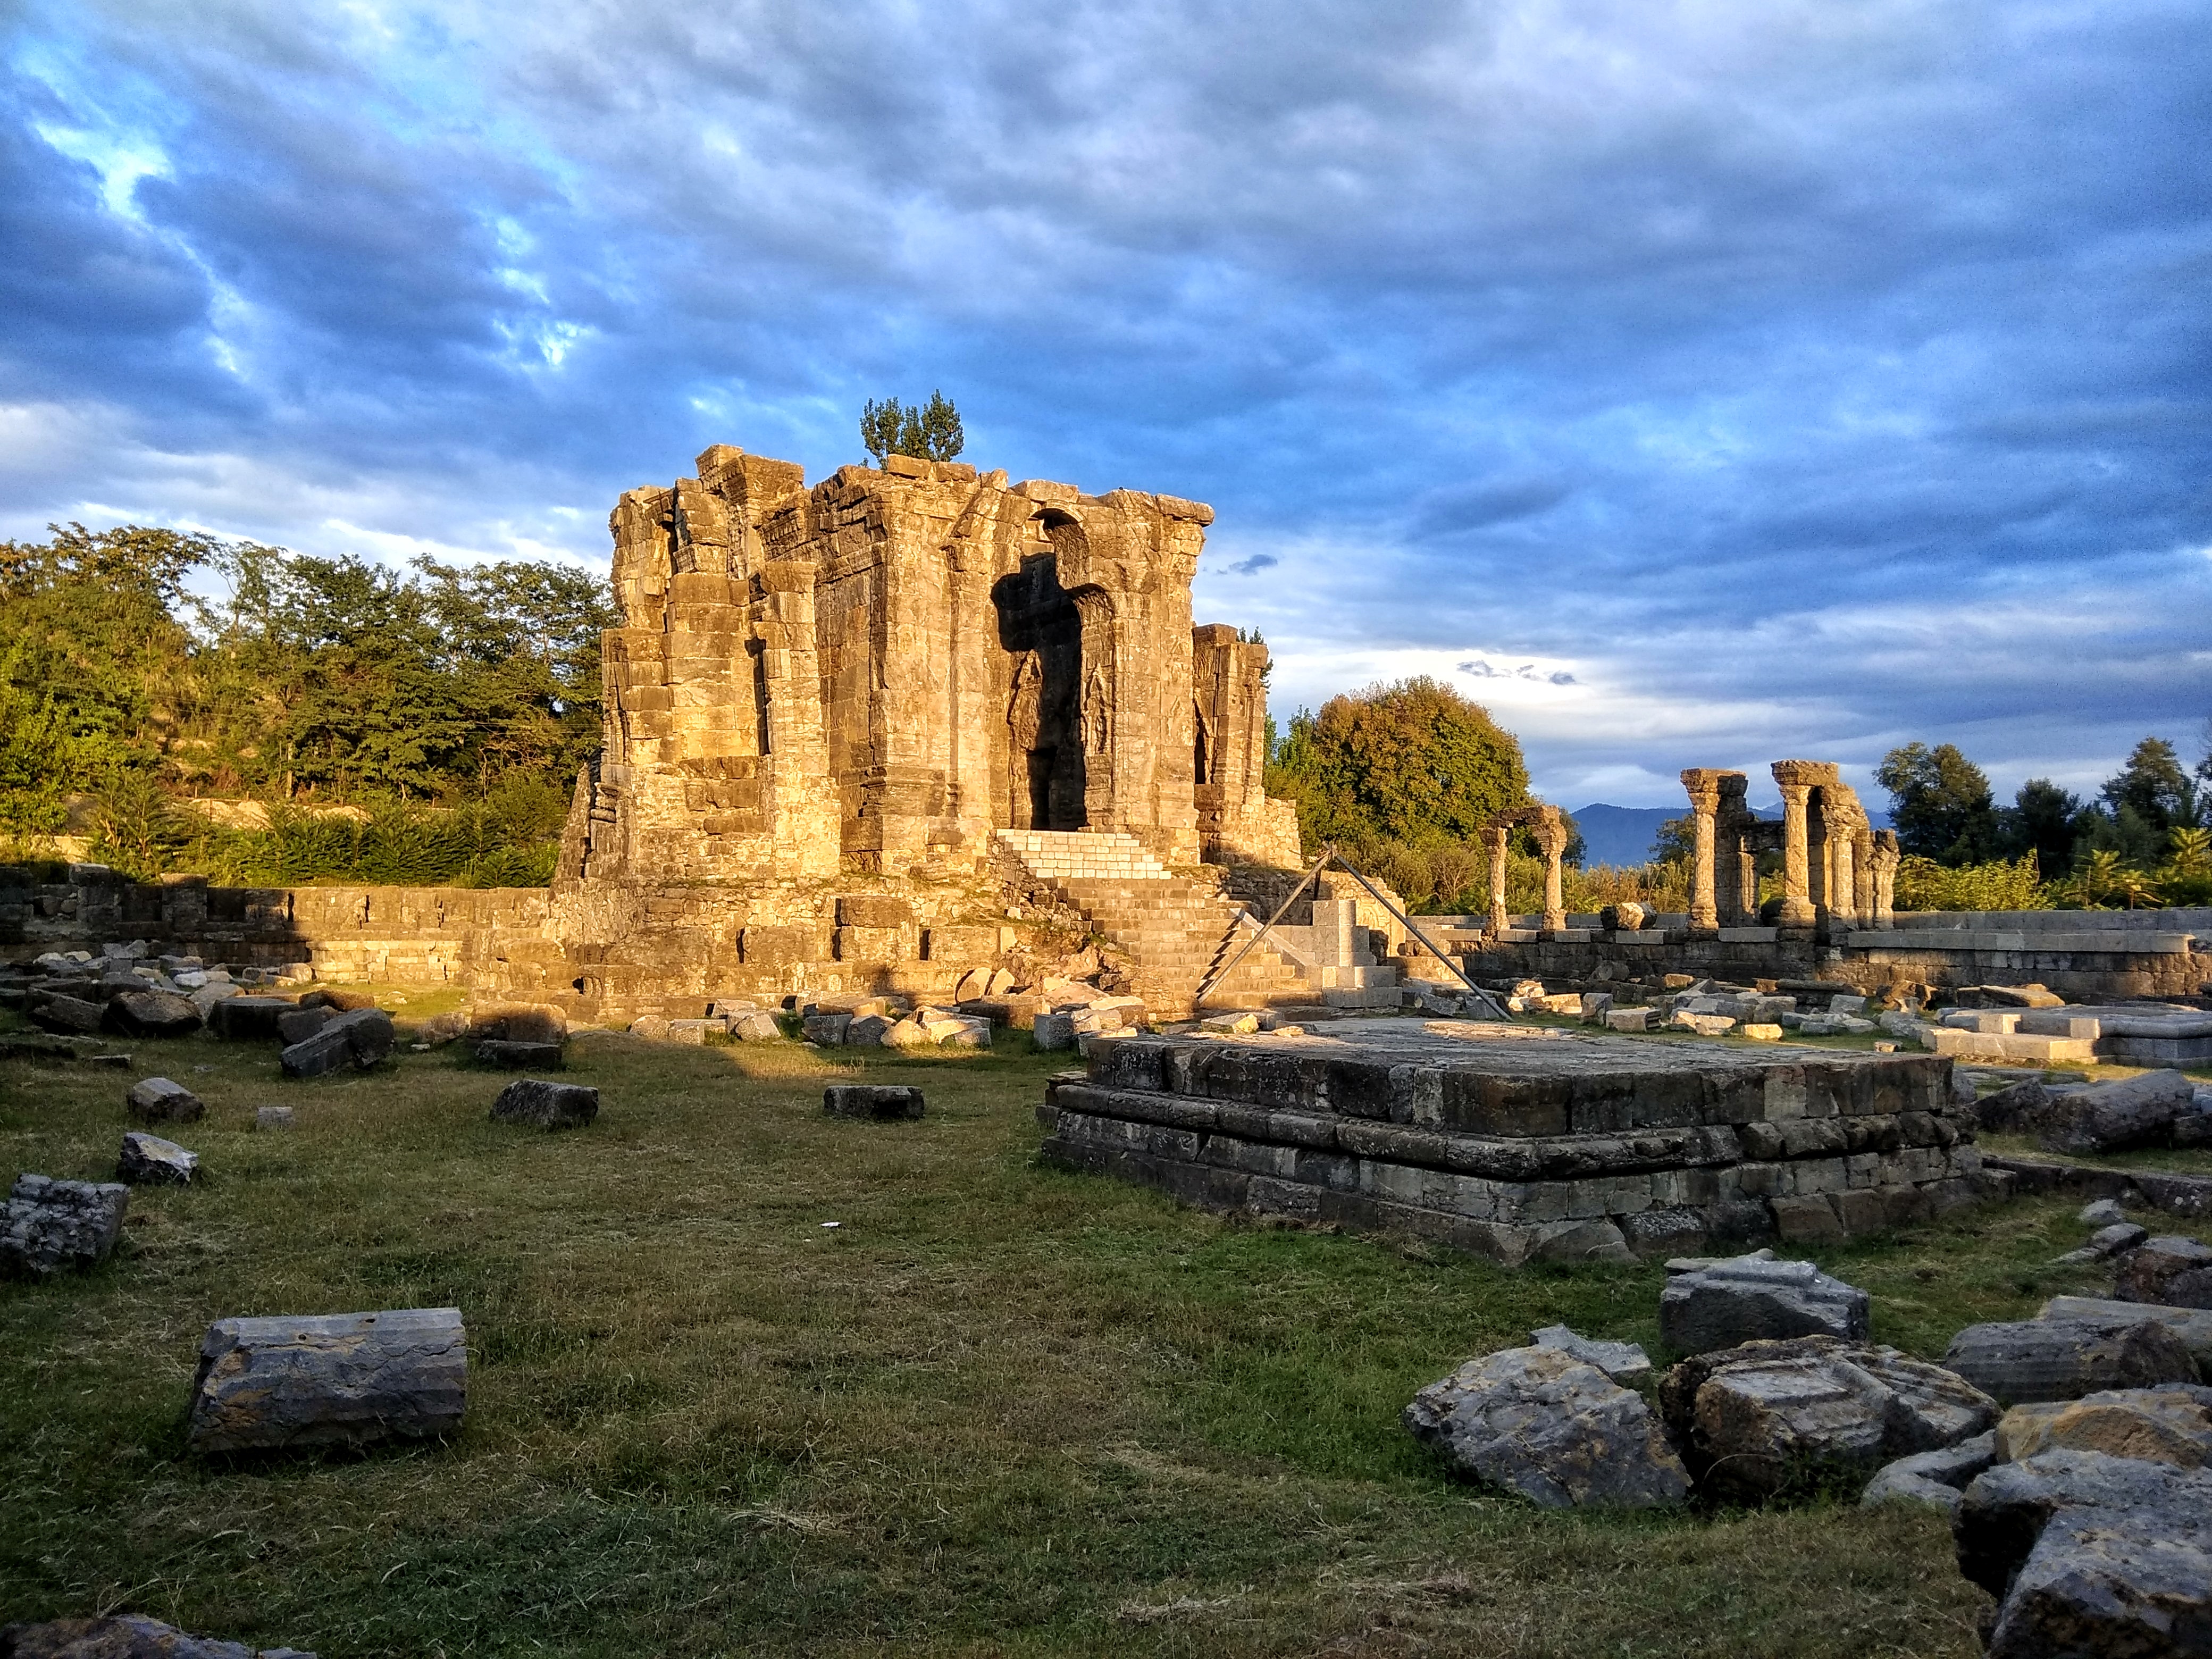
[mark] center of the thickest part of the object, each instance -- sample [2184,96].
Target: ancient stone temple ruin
[890,666]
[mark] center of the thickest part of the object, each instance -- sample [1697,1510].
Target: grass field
[996,1409]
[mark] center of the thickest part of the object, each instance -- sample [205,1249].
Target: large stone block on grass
[128,1636]
[1937,1478]
[2171,1270]
[2192,1325]
[358,1039]
[329,1380]
[51,1226]
[1754,1298]
[160,1100]
[1762,1418]
[2091,1555]
[2038,1359]
[519,1056]
[871,1100]
[152,1014]
[518,1022]
[1543,1424]
[546,1105]
[2138,1111]
[66,1015]
[249,1019]
[149,1161]
[2168,1424]
[302,1023]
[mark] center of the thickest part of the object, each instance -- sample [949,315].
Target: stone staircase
[1175,930]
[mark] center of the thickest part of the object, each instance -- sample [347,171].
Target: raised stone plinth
[1516,1143]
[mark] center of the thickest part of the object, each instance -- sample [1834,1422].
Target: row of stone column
[1849,876]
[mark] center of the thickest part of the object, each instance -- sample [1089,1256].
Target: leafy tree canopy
[1939,802]
[931,433]
[2155,787]
[1412,761]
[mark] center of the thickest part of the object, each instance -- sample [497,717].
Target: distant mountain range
[1624,834]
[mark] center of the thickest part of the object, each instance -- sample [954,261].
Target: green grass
[998,1409]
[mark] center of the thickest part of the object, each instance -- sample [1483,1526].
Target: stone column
[1796,901]
[1552,837]
[1885,879]
[1705,792]
[1496,835]
[1843,904]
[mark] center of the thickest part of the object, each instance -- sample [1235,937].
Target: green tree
[1412,761]
[2154,784]
[1940,804]
[2045,820]
[931,433]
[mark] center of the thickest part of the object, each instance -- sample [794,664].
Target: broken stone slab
[1754,1298]
[2090,1555]
[908,1033]
[755,1025]
[249,1019]
[2038,1359]
[160,1100]
[546,1105]
[1561,1432]
[128,1636]
[2170,1270]
[51,1226]
[871,1100]
[653,1028]
[1624,1361]
[2006,996]
[148,1160]
[2171,1424]
[2102,1212]
[2192,1325]
[301,1023]
[66,1015]
[1052,1032]
[1627,1019]
[1938,1477]
[2108,1242]
[2111,1117]
[359,1038]
[273,1117]
[330,1380]
[827,1030]
[1755,1420]
[519,1056]
[867,1030]
[693,1032]
[152,1014]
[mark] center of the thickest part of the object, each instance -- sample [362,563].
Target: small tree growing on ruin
[930,433]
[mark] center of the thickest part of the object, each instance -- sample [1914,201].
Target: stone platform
[1517,1143]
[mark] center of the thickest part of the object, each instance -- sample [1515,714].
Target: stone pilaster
[1704,787]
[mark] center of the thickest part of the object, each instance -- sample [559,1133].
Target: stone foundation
[1516,1144]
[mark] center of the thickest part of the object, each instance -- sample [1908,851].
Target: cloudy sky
[1693,383]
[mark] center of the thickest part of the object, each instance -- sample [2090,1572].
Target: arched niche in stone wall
[1041,629]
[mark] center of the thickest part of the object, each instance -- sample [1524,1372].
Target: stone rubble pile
[127,1636]
[129,990]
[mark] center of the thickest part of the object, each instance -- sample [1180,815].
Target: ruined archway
[1040,626]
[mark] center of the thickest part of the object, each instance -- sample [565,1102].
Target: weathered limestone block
[129,1636]
[51,1226]
[879,912]
[755,1025]
[871,1100]
[2172,1271]
[546,1105]
[2171,1424]
[149,1160]
[518,1022]
[1938,1478]
[519,1057]
[827,1030]
[2090,1554]
[2192,1325]
[152,1014]
[360,1039]
[1752,1297]
[300,1024]
[1755,1419]
[1624,1361]
[1541,1423]
[273,1117]
[61,1013]
[961,945]
[2138,1111]
[2040,1359]
[248,1020]
[329,1380]
[785,946]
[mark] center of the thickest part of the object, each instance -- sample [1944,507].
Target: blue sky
[1695,384]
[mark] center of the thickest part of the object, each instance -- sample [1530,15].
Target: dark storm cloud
[1757,377]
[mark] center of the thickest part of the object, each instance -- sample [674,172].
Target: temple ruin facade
[884,670]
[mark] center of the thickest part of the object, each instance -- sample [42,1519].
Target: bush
[1924,885]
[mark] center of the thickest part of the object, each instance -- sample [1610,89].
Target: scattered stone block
[755,1025]
[871,1100]
[518,1022]
[1543,1424]
[519,1057]
[1751,1420]
[2138,1111]
[2090,1555]
[867,1031]
[546,1105]
[2103,1212]
[50,1227]
[1053,1031]
[1938,1478]
[159,1100]
[2038,1359]
[152,1014]
[2008,996]
[1752,1297]
[828,1030]
[1702,1025]
[652,1027]
[302,1022]
[2171,1270]
[2192,1325]
[1624,1361]
[2169,1425]
[1628,1019]
[61,1013]
[248,1020]
[149,1160]
[330,1380]
[1758,1031]
[273,1117]
[908,1033]
[128,1636]
[359,1038]
[692,1032]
